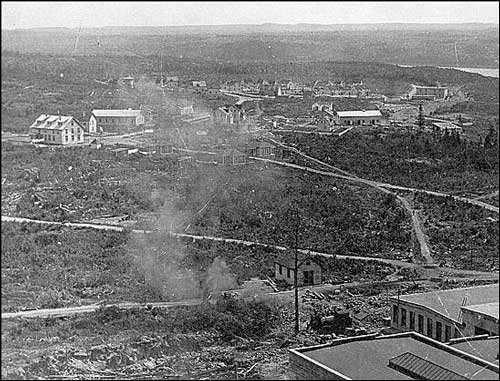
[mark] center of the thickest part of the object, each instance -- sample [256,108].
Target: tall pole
[295,276]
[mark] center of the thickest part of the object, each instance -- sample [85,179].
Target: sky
[97,14]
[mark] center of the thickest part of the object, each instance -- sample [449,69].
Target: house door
[308,278]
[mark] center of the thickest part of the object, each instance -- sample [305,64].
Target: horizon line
[262,24]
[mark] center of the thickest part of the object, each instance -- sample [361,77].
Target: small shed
[309,271]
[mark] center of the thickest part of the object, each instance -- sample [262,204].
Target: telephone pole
[295,274]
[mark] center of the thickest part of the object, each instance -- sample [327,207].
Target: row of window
[115,120]
[359,122]
[429,331]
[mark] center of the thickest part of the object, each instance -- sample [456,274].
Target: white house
[57,129]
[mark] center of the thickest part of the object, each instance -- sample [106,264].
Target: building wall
[456,330]
[109,123]
[472,320]
[287,274]
[358,121]
[69,135]
[303,369]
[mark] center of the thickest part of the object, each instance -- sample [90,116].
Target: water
[485,72]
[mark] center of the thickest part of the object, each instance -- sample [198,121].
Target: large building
[427,92]
[447,314]
[115,120]
[57,129]
[403,356]
[359,118]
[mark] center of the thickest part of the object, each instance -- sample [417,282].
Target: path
[67,311]
[415,219]
[394,262]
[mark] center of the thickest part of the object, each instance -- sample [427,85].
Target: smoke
[160,257]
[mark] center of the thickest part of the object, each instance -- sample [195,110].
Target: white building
[115,120]
[57,129]
[359,118]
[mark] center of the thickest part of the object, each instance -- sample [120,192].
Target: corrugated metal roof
[415,366]
[116,113]
[360,114]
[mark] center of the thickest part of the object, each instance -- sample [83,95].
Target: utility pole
[420,117]
[295,274]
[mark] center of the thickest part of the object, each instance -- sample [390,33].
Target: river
[483,71]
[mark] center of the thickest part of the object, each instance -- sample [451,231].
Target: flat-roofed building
[480,319]
[447,314]
[57,129]
[428,92]
[403,356]
[446,127]
[359,118]
[484,346]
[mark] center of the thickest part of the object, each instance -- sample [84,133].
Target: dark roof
[449,302]
[367,357]
[422,369]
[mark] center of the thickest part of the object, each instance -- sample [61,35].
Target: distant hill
[264,28]
[455,45]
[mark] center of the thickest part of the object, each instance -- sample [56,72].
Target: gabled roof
[54,122]
[366,113]
[116,113]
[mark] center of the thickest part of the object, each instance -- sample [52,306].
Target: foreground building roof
[402,356]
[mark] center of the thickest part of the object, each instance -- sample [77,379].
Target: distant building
[322,106]
[359,118]
[260,149]
[231,157]
[115,120]
[447,314]
[57,129]
[308,275]
[229,115]
[199,84]
[427,92]
[400,356]
[446,127]
[128,81]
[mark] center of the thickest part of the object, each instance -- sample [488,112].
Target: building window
[447,333]
[429,327]
[412,320]
[439,331]
[288,273]
[395,314]
[66,138]
[403,317]
[420,324]
[280,269]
